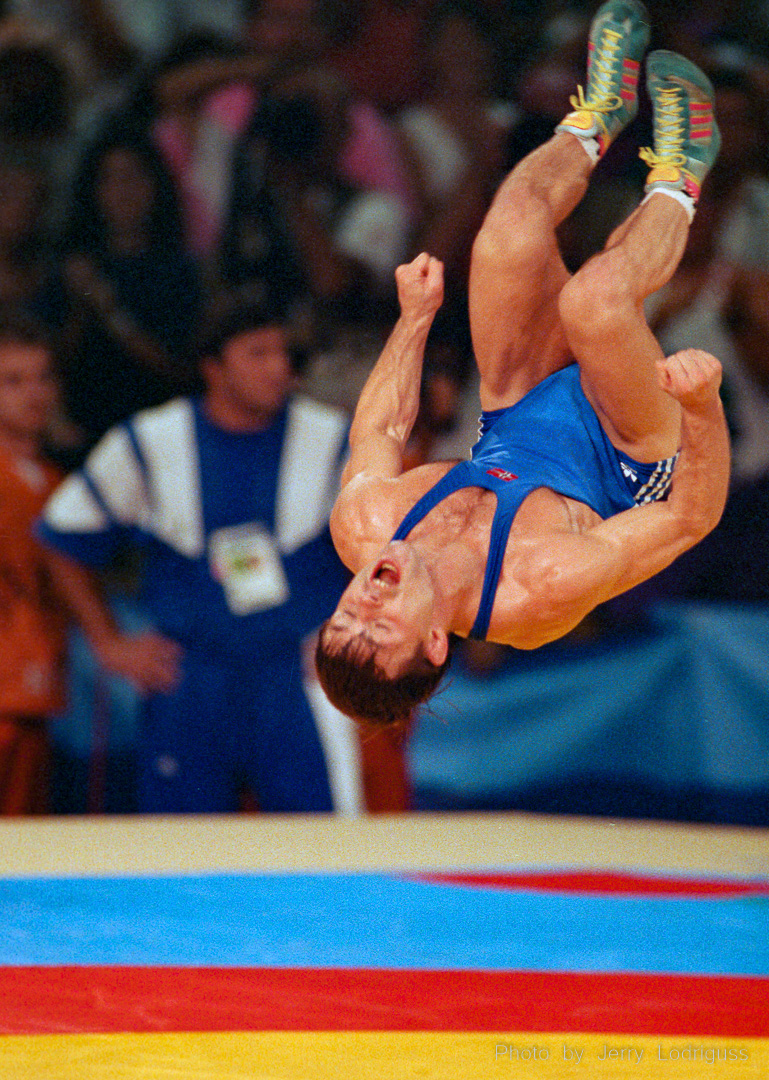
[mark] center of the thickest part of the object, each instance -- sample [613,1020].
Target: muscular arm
[576,573]
[389,402]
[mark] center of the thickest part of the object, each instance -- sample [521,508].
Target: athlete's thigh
[619,378]
[618,355]
[602,309]
[517,334]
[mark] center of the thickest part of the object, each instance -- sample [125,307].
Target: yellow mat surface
[377,1056]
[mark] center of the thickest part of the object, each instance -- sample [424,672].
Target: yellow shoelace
[669,130]
[602,74]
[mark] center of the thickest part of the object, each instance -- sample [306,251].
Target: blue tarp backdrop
[671,719]
[668,719]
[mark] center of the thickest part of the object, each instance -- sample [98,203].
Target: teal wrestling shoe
[619,37]
[686,136]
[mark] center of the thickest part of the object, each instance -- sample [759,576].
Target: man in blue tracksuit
[228,495]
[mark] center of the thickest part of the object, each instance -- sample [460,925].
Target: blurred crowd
[171,170]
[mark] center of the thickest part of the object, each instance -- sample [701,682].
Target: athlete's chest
[470,512]
[464,516]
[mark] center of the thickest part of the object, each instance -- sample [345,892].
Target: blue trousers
[225,729]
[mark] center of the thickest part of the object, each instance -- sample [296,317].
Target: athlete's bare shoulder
[370,508]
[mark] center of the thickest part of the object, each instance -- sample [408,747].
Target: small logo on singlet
[501,474]
[628,472]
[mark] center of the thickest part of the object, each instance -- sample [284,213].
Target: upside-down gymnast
[599,461]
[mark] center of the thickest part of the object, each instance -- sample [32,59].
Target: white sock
[591,148]
[681,197]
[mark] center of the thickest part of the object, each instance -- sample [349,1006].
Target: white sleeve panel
[73,508]
[115,472]
[168,441]
[308,480]
[120,495]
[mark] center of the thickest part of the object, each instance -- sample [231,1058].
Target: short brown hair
[18,327]
[357,685]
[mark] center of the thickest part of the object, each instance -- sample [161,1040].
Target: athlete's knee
[517,231]
[598,294]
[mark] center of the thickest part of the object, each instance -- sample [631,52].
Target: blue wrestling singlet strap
[468,474]
[461,476]
[500,531]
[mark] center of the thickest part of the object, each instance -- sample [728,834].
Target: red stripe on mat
[594,881]
[128,999]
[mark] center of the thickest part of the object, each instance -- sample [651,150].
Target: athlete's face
[389,607]
[27,390]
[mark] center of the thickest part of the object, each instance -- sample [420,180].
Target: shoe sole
[662,65]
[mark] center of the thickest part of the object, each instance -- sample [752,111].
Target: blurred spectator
[117,30]
[457,135]
[39,98]
[286,31]
[42,71]
[34,89]
[280,29]
[30,630]
[127,293]
[377,47]
[300,236]
[229,495]
[204,91]
[198,98]
[25,261]
[696,30]
[553,66]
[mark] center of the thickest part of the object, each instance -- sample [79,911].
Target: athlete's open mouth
[386,571]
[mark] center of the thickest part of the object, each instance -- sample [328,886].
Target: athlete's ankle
[590,145]
[686,201]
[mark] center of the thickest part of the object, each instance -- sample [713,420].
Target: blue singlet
[551,438]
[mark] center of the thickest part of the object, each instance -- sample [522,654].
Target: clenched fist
[691,377]
[420,286]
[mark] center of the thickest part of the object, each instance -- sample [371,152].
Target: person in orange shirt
[31,624]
